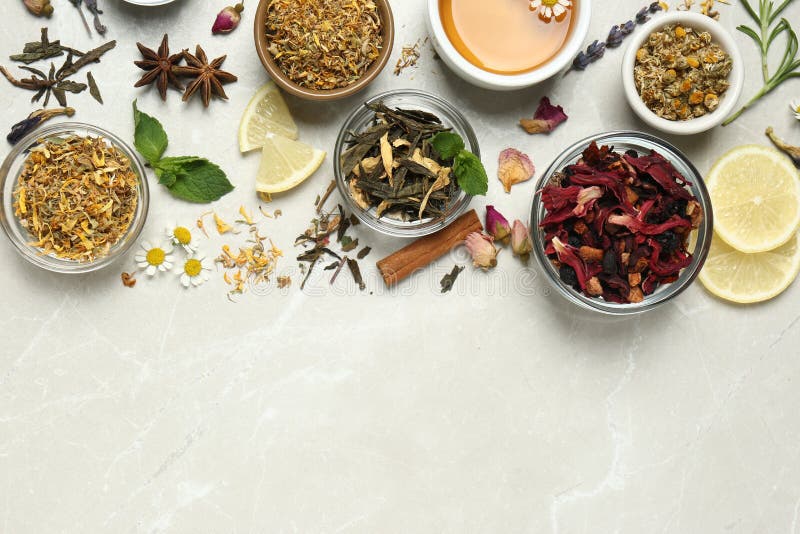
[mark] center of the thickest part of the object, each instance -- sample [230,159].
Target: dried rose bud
[546,118]
[497,226]
[482,249]
[228,19]
[40,8]
[521,243]
[514,167]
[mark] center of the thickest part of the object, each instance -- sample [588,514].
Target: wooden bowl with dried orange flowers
[296,42]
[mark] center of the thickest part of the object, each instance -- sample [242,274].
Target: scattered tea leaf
[363,253]
[93,89]
[356,272]
[449,280]
[349,244]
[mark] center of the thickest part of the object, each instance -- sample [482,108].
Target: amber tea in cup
[504,36]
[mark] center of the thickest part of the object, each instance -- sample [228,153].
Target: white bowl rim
[513,81]
[736,78]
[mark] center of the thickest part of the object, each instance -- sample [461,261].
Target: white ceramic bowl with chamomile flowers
[727,100]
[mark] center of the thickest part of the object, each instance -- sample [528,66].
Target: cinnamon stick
[425,250]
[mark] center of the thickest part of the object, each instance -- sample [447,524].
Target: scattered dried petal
[514,167]
[546,118]
[128,279]
[222,226]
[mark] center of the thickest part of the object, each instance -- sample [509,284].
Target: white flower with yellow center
[194,271]
[180,236]
[152,258]
[796,109]
[550,8]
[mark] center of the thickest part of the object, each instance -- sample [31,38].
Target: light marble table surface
[497,408]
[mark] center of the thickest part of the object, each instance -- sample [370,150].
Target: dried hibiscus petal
[546,118]
[617,225]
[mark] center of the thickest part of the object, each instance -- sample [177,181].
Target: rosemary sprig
[764,38]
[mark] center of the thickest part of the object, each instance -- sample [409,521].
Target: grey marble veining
[497,408]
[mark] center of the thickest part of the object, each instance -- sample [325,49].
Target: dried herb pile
[617,225]
[324,44]
[408,165]
[254,262]
[680,73]
[76,197]
[317,240]
[55,81]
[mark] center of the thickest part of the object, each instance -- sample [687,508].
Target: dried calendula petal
[222,226]
[246,216]
[514,167]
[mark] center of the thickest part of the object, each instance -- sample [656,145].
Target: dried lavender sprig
[597,49]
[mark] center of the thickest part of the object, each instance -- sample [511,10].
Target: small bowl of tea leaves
[400,162]
[324,49]
[682,73]
[74,197]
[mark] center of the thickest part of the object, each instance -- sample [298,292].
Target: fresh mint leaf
[447,144]
[166,177]
[199,181]
[149,136]
[471,175]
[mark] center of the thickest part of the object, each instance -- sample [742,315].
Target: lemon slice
[285,163]
[746,278]
[755,192]
[266,112]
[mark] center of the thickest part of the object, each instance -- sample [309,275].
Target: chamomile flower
[181,236]
[796,109]
[550,8]
[194,271]
[152,259]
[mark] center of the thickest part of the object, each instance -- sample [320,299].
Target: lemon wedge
[285,163]
[755,192]
[747,278]
[265,113]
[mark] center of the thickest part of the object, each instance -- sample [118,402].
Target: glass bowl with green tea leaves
[621,223]
[394,161]
[74,197]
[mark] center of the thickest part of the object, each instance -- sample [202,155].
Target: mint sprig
[467,167]
[190,178]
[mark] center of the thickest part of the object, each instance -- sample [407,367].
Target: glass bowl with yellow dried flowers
[74,197]
[682,73]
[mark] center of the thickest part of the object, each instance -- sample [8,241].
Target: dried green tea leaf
[449,280]
[349,244]
[89,57]
[363,253]
[356,272]
[93,89]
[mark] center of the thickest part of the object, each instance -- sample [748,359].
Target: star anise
[161,67]
[207,76]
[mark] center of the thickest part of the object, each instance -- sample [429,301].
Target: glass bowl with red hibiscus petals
[621,222]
